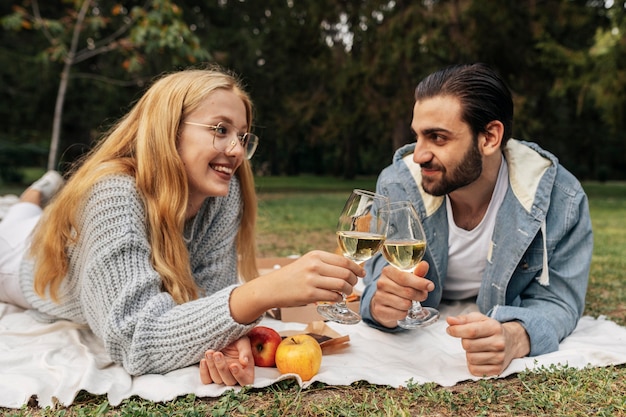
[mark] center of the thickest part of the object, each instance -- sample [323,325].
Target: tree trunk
[65,75]
[58,116]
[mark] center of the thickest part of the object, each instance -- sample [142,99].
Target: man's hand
[230,366]
[395,290]
[489,345]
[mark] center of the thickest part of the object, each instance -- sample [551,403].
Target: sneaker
[48,185]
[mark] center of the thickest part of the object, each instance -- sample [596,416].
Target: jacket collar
[526,169]
[527,164]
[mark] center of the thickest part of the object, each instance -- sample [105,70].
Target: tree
[333,80]
[85,29]
[558,107]
[277,47]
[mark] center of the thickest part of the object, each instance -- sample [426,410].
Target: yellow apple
[299,354]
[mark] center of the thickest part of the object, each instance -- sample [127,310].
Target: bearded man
[507,226]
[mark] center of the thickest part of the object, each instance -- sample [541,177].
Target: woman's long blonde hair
[143,144]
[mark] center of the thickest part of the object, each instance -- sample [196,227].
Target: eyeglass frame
[248,140]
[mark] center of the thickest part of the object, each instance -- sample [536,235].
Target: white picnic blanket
[55,361]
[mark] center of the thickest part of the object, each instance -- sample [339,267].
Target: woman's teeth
[221,168]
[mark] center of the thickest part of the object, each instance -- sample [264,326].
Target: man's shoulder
[535,174]
[562,174]
[401,161]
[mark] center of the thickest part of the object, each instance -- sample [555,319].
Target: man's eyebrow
[431,130]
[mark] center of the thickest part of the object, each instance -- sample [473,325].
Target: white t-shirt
[468,250]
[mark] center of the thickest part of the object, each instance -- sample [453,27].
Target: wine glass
[360,234]
[404,248]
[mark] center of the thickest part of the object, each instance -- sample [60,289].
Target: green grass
[606,294]
[299,214]
[312,183]
[295,223]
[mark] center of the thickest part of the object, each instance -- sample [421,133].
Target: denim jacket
[538,264]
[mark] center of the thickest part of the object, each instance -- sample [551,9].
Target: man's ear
[492,137]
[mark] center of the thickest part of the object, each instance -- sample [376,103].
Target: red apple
[299,354]
[264,342]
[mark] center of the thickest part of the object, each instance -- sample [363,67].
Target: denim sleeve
[549,313]
[543,337]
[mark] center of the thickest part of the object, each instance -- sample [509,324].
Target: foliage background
[332,80]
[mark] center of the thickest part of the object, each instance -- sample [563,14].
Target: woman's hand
[231,366]
[316,276]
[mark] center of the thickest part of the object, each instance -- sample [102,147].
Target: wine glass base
[429,316]
[338,314]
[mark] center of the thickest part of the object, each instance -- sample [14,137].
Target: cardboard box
[301,314]
[330,341]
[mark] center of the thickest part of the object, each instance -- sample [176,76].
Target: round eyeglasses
[226,137]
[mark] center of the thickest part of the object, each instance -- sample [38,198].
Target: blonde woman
[146,240]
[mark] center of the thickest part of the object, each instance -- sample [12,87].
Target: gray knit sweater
[112,287]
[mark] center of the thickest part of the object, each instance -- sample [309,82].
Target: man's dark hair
[483,94]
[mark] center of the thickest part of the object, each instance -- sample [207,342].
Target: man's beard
[468,170]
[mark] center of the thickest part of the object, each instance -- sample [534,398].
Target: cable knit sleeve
[120,294]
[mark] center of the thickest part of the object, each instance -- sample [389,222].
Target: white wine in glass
[404,248]
[359,246]
[360,234]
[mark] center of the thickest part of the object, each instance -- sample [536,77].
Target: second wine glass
[360,233]
[404,248]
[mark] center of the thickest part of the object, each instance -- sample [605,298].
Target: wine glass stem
[342,306]
[416,311]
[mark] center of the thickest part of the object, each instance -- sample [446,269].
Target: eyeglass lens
[223,140]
